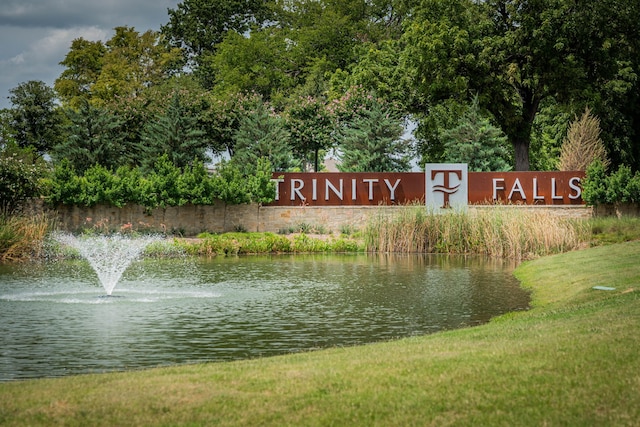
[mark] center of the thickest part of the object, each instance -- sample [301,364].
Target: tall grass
[507,233]
[22,237]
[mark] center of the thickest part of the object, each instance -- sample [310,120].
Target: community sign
[442,185]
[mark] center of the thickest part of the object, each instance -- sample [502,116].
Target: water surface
[55,319]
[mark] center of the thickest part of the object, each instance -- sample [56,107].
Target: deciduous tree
[36,121]
[516,53]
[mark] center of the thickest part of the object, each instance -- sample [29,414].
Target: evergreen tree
[175,133]
[262,134]
[372,142]
[475,141]
[95,136]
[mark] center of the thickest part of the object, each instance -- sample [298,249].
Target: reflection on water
[55,319]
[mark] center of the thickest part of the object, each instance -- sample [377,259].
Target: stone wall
[191,220]
[619,210]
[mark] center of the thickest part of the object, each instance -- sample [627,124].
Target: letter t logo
[446,185]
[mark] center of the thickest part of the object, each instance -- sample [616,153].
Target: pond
[56,320]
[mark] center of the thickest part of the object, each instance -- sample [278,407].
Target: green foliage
[83,63]
[594,185]
[262,134]
[36,121]
[175,134]
[549,129]
[311,124]
[608,230]
[475,141]
[372,142]
[234,187]
[20,177]
[251,63]
[221,117]
[621,186]
[239,243]
[164,185]
[123,67]
[515,55]
[199,26]
[380,69]
[95,136]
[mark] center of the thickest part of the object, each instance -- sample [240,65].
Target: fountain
[108,255]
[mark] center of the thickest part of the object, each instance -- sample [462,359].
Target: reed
[498,232]
[22,237]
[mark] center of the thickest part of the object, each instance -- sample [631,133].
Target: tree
[262,134]
[379,69]
[175,134]
[253,63]
[124,66]
[83,64]
[134,62]
[583,145]
[475,141]
[95,137]
[372,142]
[198,26]
[35,119]
[311,125]
[515,53]
[220,118]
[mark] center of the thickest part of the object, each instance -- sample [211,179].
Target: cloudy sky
[35,35]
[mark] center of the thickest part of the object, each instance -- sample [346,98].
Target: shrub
[20,174]
[165,185]
[594,185]
[621,186]
[22,237]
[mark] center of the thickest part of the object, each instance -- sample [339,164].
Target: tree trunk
[521,149]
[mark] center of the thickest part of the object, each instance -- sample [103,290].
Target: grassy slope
[572,360]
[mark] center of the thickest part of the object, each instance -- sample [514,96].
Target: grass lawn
[572,360]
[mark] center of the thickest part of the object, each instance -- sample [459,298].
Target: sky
[35,35]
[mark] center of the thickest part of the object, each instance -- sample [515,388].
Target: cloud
[39,54]
[71,13]
[36,35]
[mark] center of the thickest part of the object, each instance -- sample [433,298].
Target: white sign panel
[446,185]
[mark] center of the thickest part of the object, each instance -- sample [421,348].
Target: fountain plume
[108,255]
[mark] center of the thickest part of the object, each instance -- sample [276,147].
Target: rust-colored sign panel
[531,188]
[349,189]
[331,189]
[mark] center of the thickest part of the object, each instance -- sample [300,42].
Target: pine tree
[175,133]
[262,134]
[371,142]
[95,137]
[475,141]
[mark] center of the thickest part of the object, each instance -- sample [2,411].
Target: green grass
[572,360]
[209,244]
[614,230]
